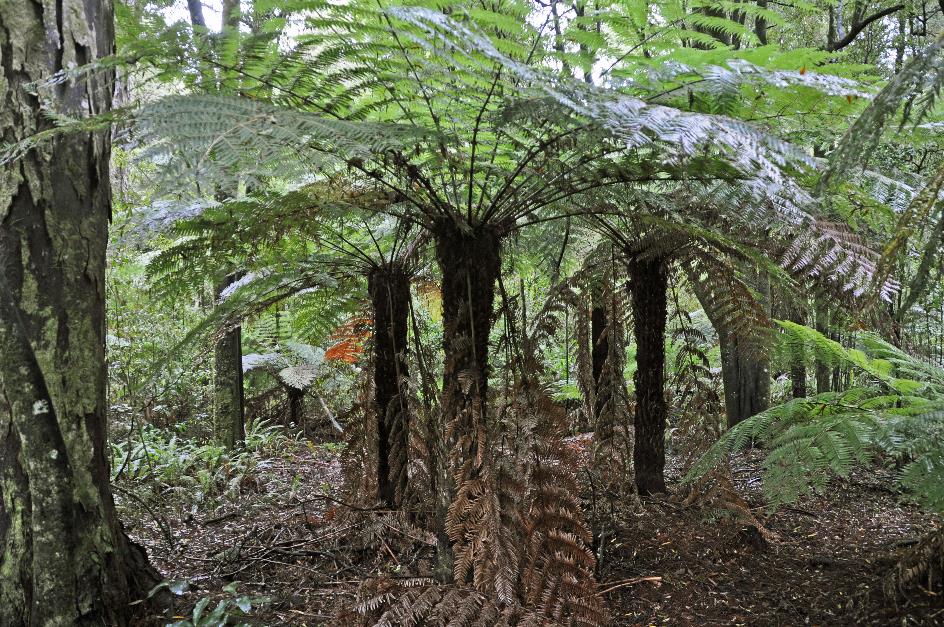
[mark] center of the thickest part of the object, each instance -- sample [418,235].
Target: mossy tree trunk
[64,558]
[229,413]
[648,290]
[389,289]
[470,260]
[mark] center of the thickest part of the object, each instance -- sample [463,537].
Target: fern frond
[810,439]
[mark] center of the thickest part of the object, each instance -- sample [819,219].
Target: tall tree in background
[64,559]
[229,412]
[744,369]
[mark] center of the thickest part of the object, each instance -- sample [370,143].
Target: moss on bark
[65,560]
[229,414]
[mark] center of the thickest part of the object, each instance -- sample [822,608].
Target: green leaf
[198,609]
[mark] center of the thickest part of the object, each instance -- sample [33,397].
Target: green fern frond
[810,439]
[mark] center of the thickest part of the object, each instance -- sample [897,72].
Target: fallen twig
[220,518]
[630,582]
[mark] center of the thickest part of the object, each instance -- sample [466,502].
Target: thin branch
[859,27]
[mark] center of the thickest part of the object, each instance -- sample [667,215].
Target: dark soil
[826,564]
[822,561]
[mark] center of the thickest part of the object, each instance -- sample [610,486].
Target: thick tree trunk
[470,261]
[745,371]
[798,381]
[64,559]
[760,25]
[229,414]
[648,290]
[389,288]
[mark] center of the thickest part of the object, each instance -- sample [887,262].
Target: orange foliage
[350,338]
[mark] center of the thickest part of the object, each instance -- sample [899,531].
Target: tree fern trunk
[648,289]
[296,406]
[798,381]
[64,558]
[470,261]
[229,415]
[389,288]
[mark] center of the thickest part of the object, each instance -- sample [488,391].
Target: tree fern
[895,409]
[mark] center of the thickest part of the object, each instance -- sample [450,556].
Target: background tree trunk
[470,261]
[229,414]
[798,381]
[745,367]
[195,8]
[64,559]
[798,369]
[599,350]
[760,25]
[745,371]
[648,289]
[389,288]
[823,371]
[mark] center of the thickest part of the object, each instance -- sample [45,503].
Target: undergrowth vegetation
[430,312]
[890,414]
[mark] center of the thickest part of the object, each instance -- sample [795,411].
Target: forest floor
[821,561]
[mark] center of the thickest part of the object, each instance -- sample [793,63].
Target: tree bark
[229,414]
[798,380]
[64,558]
[745,367]
[470,260]
[195,8]
[760,24]
[599,350]
[296,406]
[823,372]
[745,372]
[798,368]
[648,289]
[389,289]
